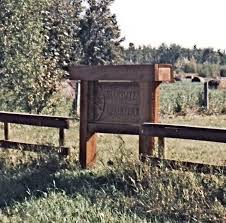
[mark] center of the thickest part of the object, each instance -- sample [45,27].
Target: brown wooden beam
[146,106]
[130,129]
[163,73]
[187,166]
[34,147]
[36,120]
[87,139]
[112,72]
[184,132]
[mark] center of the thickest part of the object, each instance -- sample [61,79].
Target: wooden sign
[114,102]
[117,99]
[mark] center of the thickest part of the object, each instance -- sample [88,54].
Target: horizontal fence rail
[64,151]
[163,131]
[188,166]
[184,132]
[35,120]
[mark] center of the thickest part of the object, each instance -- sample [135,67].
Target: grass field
[186,98]
[42,188]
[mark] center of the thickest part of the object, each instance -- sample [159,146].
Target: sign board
[117,99]
[114,102]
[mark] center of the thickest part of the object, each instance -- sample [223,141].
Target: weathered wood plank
[87,147]
[146,107]
[184,132]
[112,72]
[34,147]
[163,73]
[188,166]
[114,102]
[130,129]
[36,120]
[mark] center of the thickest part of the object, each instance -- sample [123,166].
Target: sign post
[117,99]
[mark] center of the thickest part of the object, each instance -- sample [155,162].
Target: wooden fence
[163,131]
[35,120]
[184,132]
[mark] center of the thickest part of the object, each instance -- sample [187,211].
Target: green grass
[186,98]
[43,188]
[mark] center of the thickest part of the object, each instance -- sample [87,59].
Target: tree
[131,54]
[34,45]
[21,42]
[100,35]
[61,27]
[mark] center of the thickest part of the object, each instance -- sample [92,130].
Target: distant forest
[207,62]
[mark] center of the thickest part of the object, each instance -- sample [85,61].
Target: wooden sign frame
[142,91]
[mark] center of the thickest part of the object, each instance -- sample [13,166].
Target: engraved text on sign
[115,102]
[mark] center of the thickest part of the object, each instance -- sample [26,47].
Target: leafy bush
[208,70]
[188,68]
[28,75]
[203,70]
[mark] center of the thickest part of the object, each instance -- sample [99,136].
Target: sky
[184,22]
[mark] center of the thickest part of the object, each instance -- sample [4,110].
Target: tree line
[38,39]
[207,62]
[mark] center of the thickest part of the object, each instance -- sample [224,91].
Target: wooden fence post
[161,148]
[206,95]
[61,137]
[145,142]
[87,153]
[150,112]
[6,130]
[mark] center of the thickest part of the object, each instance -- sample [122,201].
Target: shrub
[30,75]
[208,70]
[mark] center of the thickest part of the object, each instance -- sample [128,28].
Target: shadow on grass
[114,187]
[18,183]
[26,181]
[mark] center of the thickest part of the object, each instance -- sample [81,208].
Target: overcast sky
[185,22]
